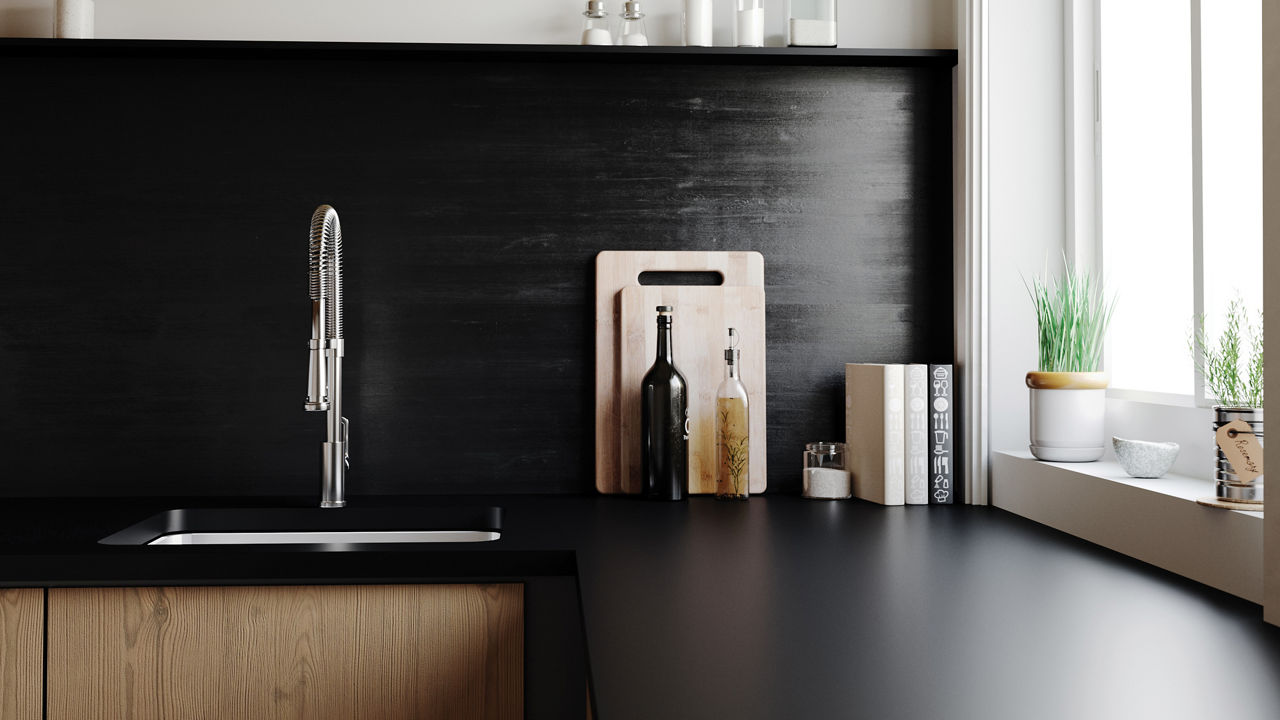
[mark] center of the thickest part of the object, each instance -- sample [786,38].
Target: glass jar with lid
[811,23]
[825,476]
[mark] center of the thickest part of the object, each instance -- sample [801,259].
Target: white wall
[863,23]
[1026,193]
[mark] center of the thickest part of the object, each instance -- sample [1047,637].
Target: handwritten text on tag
[1242,449]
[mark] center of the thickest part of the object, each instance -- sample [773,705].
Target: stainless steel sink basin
[327,538]
[312,526]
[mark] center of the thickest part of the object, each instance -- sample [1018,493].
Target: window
[1180,179]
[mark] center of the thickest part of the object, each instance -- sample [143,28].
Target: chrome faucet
[324,379]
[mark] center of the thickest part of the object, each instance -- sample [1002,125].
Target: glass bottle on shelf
[732,429]
[632,32]
[595,26]
[664,422]
[811,23]
[748,26]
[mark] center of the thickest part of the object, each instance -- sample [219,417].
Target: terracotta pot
[1067,412]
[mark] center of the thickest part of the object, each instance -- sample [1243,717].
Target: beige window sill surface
[1157,521]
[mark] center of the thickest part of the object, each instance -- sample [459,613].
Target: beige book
[875,431]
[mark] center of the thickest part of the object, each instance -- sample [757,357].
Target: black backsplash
[153,297]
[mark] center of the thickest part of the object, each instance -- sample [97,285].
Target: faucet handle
[317,380]
[346,444]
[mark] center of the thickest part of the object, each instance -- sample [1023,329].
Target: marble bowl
[1144,459]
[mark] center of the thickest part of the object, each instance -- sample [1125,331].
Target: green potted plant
[1232,375]
[1068,389]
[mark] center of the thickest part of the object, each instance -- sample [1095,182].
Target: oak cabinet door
[391,651]
[21,654]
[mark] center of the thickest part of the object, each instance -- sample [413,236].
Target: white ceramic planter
[1067,412]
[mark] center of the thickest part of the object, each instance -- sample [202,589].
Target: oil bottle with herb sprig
[732,428]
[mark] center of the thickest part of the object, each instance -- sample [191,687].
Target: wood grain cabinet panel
[21,654]
[315,652]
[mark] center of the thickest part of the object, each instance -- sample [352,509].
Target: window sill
[1156,521]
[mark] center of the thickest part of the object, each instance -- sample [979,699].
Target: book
[875,431]
[917,434]
[941,435]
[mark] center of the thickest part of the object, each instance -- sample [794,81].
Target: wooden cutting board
[699,329]
[616,270]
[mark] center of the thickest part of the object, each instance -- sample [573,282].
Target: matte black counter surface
[779,607]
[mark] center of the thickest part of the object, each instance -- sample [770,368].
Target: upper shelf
[872,57]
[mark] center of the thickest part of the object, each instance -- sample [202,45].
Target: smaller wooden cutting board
[699,329]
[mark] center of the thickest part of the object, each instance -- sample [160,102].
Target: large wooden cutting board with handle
[699,329]
[616,270]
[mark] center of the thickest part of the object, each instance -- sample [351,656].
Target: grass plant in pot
[1069,390]
[1232,371]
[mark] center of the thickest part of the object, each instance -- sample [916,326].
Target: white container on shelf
[73,19]
[748,26]
[698,22]
[811,23]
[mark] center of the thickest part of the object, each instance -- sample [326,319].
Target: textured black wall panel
[153,306]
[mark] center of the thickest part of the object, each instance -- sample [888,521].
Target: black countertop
[777,607]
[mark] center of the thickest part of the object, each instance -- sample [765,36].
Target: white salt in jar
[824,475]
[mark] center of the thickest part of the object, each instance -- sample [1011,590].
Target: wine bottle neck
[731,371]
[664,340]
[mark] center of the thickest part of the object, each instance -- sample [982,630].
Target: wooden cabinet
[394,651]
[21,654]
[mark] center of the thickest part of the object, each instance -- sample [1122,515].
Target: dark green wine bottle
[664,422]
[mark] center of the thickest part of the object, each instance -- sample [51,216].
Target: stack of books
[899,429]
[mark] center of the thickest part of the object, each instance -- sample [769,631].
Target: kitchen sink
[312,526]
[335,536]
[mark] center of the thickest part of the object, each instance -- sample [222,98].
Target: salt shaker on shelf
[748,26]
[825,476]
[632,32]
[595,28]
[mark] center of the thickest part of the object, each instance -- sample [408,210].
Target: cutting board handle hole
[681,277]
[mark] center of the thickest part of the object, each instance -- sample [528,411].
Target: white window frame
[1085,134]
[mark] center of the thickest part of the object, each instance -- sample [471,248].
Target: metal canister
[1229,485]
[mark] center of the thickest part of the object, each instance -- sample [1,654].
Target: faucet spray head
[325,280]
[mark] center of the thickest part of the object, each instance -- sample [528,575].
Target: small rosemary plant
[1072,315]
[1232,374]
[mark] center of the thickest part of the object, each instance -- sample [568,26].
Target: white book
[917,434]
[875,430]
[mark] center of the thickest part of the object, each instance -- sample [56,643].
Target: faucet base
[333,474]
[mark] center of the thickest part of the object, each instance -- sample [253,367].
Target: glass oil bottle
[732,429]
